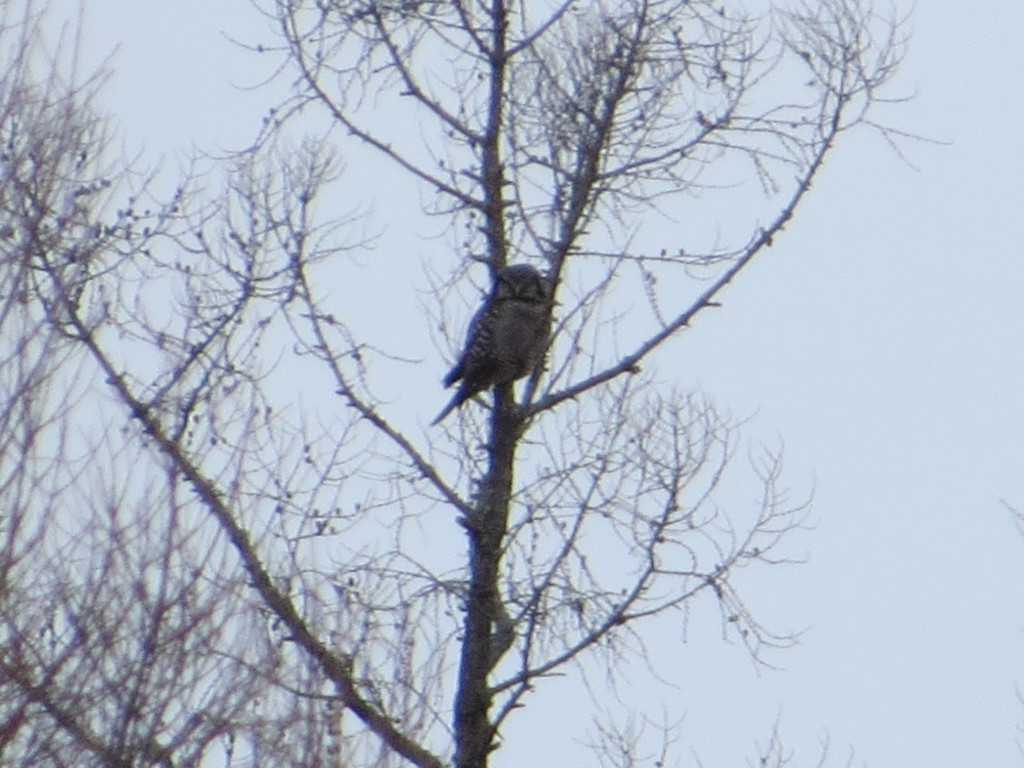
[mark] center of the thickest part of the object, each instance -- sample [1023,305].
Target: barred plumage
[506,337]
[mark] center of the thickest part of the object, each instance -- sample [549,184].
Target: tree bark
[474,732]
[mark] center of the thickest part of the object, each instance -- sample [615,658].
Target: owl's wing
[473,342]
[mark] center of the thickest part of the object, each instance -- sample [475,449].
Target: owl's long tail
[461,395]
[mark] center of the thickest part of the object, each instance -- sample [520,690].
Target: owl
[506,337]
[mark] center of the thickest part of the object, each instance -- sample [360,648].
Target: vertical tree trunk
[474,733]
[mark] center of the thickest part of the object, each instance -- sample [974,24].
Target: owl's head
[521,282]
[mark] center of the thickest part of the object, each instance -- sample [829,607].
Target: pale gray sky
[880,340]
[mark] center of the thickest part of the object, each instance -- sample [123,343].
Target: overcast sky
[880,340]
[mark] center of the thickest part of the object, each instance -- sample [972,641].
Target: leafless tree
[205,560]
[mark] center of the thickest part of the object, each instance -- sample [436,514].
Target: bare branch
[202,557]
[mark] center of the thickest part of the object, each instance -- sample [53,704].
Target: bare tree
[206,562]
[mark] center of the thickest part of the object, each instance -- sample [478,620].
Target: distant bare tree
[1018,518]
[205,563]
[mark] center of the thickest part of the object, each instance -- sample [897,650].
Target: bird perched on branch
[506,337]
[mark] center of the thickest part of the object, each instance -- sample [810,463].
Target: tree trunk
[474,732]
